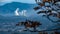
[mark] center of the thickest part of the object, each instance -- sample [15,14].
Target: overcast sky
[2,2]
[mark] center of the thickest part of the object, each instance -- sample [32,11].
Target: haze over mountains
[7,11]
[9,8]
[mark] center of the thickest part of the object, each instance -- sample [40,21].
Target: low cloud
[20,13]
[23,13]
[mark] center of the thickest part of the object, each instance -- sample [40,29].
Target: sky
[2,2]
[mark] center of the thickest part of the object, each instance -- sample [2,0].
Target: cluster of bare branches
[50,8]
[29,24]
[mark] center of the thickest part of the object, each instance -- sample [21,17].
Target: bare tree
[52,8]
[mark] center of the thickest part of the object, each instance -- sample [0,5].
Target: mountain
[11,7]
[7,11]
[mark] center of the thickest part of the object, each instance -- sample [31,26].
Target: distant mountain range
[11,7]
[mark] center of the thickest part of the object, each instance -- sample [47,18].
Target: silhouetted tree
[50,6]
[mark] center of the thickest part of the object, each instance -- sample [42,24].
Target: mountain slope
[11,7]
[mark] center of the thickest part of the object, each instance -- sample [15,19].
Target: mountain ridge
[11,7]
